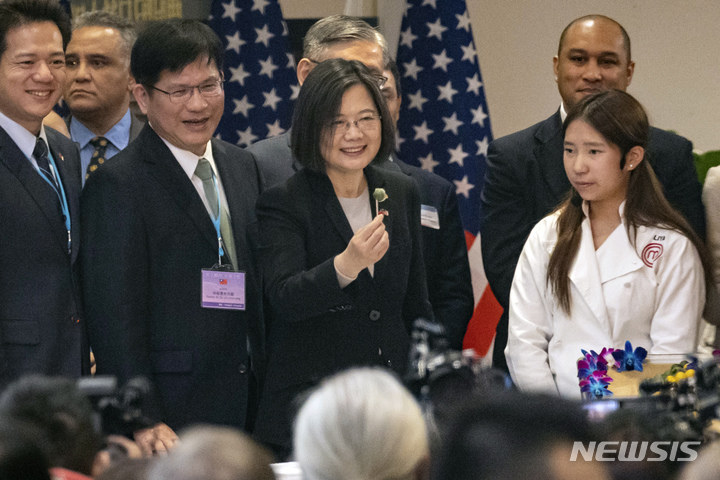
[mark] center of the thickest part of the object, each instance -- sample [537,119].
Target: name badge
[429,217]
[223,289]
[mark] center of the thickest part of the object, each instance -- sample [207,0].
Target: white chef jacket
[652,294]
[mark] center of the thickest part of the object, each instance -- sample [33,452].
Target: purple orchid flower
[596,386]
[590,364]
[628,359]
[607,355]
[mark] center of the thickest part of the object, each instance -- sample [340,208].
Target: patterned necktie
[98,156]
[41,157]
[204,172]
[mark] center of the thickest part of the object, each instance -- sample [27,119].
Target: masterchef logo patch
[651,253]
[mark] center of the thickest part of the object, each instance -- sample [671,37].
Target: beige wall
[675,45]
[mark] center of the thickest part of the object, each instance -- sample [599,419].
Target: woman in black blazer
[344,283]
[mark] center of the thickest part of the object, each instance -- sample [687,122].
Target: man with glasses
[171,287]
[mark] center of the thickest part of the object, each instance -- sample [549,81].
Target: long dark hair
[318,103]
[622,121]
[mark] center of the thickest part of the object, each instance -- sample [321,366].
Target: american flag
[260,80]
[444,127]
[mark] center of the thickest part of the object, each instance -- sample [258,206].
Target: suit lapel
[549,155]
[43,195]
[238,190]
[168,172]
[322,187]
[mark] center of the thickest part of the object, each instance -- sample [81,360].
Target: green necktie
[204,172]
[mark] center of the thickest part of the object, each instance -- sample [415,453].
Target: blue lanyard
[216,220]
[60,193]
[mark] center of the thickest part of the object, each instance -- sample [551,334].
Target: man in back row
[98,87]
[525,178]
[444,248]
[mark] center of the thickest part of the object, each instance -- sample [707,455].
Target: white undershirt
[357,211]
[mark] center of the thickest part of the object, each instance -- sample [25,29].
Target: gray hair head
[361,424]
[100,18]
[214,453]
[335,29]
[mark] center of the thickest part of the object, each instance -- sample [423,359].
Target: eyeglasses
[381,79]
[183,95]
[365,124]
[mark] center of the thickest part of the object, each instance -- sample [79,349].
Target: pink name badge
[224,290]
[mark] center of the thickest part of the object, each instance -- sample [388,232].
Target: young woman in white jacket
[614,262]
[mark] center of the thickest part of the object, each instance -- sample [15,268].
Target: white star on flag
[417,100]
[231,10]
[482,146]
[234,42]
[463,187]
[407,38]
[469,53]
[412,69]
[267,67]
[427,163]
[463,21]
[436,29]
[274,129]
[452,123]
[474,85]
[422,132]
[446,92]
[264,35]
[242,106]
[238,74]
[246,137]
[271,99]
[457,155]
[260,5]
[442,61]
[479,116]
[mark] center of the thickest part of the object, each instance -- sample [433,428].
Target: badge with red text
[651,253]
[223,289]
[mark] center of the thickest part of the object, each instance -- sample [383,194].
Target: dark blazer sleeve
[671,158]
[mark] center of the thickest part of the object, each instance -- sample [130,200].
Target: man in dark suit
[98,86]
[158,219]
[444,248]
[525,178]
[40,323]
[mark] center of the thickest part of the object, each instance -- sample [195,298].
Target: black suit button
[389,363]
[374,315]
[242,368]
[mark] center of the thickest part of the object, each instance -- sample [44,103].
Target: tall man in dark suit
[444,248]
[98,87]
[40,324]
[525,177]
[158,219]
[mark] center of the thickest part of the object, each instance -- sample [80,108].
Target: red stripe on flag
[481,329]
[469,239]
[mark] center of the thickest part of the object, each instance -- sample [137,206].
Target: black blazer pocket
[20,332]
[172,361]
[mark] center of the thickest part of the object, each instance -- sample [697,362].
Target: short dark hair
[172,45]
[508,435]
[63,414]
[319,103]
[625,36]
[21,455]
[16,13]
[101,18]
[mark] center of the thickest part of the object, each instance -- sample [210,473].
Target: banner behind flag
[444,127]
[260,80]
